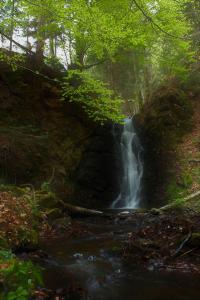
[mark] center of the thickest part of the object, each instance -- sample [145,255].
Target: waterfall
[132,168]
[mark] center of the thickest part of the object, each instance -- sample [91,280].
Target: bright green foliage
[96,99]
[13,60]
[157,33]
[19,278]
[99,28]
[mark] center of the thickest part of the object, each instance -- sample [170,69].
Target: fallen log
[78,210]
[192,196]
[171,205]
[194,161]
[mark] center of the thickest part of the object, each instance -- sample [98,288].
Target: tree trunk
[39,55]
[12,24]
[52,47]
[40,43]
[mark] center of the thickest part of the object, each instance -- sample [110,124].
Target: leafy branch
[154,24]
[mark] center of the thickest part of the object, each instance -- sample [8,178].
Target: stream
[95,262]
[92,263]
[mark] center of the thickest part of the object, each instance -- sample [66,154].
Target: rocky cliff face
[161,124]
[46,142]
[100,166]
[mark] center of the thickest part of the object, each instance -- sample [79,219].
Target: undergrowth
[18,278]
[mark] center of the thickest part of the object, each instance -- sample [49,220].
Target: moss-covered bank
[162,124]
[46,142]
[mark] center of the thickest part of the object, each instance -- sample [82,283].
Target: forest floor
[186,171]
[188,162]
[167,241]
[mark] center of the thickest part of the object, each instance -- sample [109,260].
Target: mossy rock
[166,118]
[47,200]
[53,214]
[26,153]
[62,223]
[161,123]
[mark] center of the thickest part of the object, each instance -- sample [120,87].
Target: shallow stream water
[91,263]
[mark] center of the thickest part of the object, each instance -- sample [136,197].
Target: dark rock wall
[161,124]
[46,142]
[99,168]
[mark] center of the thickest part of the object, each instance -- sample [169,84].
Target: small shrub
[18,278]
[46,186]
[97,100]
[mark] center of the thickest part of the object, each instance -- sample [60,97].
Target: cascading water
[132,168]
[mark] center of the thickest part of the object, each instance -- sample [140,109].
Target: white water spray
[132,167]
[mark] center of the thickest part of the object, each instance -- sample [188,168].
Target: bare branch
[155,24]
[16,43]
[94,64]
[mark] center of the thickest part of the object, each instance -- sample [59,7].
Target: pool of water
[92,263]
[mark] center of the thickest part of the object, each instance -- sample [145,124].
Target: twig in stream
[178,250]
[187,252]
[175,267]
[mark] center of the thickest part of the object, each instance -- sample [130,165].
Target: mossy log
[171,205]
[77,210]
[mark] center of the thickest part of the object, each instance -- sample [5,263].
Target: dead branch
[178,250]
[16,43]
[194,161]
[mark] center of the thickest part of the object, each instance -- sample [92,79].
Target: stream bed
[92,264]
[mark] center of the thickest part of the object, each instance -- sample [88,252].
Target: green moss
[16,190]
[3,243]
[177,189]
[173,191]
[186,179]
[53,214]
[46,200]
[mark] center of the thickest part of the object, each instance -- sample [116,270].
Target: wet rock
[92,258]
[78,255]
[155,211]
[71,293]
[62,223]
[36,256]
[123,214]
